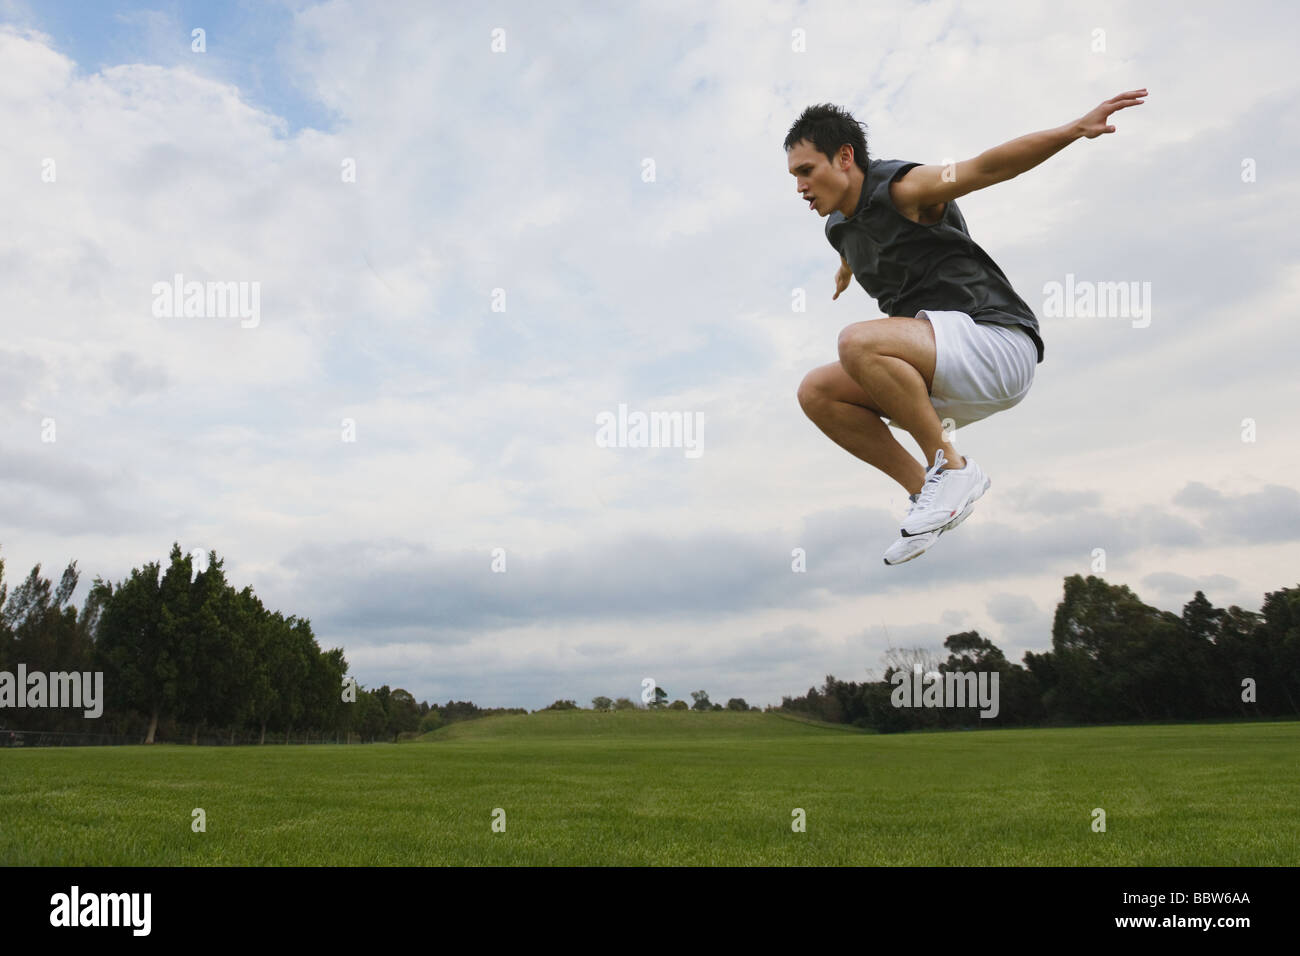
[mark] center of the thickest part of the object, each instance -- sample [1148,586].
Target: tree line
[659,701]
[1114,659]
[184,654]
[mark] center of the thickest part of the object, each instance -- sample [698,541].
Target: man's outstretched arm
[925,186]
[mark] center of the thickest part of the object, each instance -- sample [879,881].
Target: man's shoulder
[887,170]
[894,188]
[884,175]
[893,171]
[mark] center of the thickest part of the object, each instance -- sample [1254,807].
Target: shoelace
[929,489]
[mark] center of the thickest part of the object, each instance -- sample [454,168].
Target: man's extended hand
[1094,123]
[842,280]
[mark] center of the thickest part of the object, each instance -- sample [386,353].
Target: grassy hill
[655,725]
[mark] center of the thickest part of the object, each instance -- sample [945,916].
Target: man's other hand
[842,280]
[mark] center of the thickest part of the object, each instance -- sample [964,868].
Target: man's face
[816,178]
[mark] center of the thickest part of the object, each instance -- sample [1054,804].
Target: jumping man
[957,340]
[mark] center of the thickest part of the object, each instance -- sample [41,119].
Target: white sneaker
[946,497]
[908,547]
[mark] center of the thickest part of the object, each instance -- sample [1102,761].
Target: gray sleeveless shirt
[907,267]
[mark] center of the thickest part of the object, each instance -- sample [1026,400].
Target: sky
[475,233]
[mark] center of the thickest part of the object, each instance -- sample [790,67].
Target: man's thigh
[908,338]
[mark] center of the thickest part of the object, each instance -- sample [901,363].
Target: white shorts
[980,367]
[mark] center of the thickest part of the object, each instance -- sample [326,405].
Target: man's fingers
[1120,106]
[1114,105]
[1126,99]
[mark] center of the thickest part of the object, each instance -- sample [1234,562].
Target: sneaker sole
[933,535]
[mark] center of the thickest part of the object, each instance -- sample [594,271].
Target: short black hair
[828,128]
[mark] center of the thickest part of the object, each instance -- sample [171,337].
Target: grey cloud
[600,649]
[1159,529]
[411,592]
[787,646]
[1035,499]
[19,374]
[1197,494]
[1270,514]
[638,576]
[51,491]
[1011,608]
[1167,582]
[134,376]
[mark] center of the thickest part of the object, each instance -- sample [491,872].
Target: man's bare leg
[893,360]
[841,409]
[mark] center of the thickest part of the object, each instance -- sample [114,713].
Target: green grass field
[636,787]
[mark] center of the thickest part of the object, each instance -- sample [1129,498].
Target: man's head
[827,151]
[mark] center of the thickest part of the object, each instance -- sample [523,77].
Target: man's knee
[810,392]
[824,386]
[821,387]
